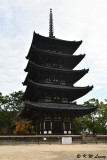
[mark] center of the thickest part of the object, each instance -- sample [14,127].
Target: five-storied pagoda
[50,92]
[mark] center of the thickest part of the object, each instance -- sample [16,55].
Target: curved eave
[33,66]
[70,46]
[33,108]
[57,87]
[36,35]
[33,88]
[46,52]
[74,60]
[74,74]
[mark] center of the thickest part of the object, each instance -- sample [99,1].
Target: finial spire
[51,24]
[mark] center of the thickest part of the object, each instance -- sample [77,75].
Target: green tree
[78,126]
[10,105]
[97,120]
[11,102]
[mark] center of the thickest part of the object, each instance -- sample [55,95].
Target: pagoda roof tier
[54,44]
[34,49]
[55,60]
[36,91]
[39,73]
[33,109]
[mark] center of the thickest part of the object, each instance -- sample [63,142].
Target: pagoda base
[53,118]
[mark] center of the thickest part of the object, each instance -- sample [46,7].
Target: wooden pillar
[52,117]
[51,125]
[71,126]
[63,124]
[42,126]
[39,127]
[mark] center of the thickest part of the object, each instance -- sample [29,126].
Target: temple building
[50,92]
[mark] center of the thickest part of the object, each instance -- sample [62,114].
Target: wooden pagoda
[50,92]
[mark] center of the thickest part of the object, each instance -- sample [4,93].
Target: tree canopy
[11,105]
[95,122]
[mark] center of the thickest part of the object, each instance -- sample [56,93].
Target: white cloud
[73,20]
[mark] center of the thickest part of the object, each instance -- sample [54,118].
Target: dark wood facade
[50,93]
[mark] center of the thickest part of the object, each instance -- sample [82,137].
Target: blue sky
[73,20]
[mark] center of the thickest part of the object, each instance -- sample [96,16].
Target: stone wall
[52,139]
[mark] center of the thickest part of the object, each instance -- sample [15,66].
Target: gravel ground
[54,152]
